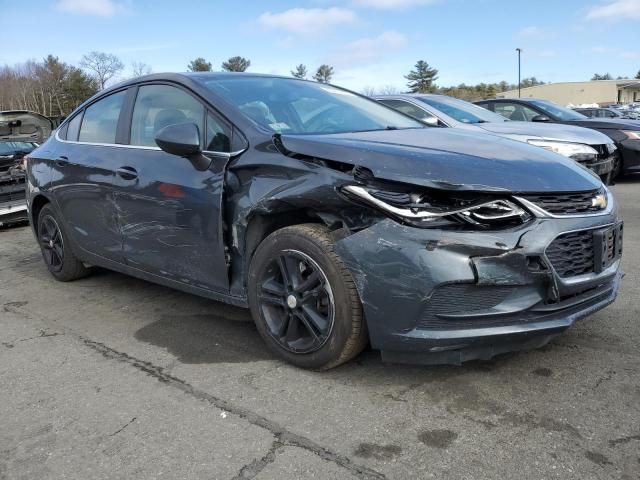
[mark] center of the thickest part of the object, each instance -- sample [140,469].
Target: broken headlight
[576,151]
[425,210]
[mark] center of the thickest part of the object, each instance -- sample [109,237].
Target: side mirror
[183,140]
[431,121]
[540,118]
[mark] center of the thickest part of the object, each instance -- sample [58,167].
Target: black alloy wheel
[304,300]
[296,302]
[52,243]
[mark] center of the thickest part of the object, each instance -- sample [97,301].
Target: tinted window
[100,120]
[408,108]
[158,106]
[553,110]
[74,127]
[460,110]
[218,136]
[292,106]
[515,111]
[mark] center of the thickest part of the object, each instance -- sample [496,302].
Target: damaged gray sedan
[338,221]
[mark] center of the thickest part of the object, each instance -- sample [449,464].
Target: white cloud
[615,10]
[368,50]
[103,8]
[391,4]
[307,20]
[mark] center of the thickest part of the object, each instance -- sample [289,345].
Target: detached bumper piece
[13,204]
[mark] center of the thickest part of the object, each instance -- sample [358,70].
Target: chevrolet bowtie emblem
[599,201]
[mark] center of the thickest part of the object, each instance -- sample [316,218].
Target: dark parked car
[336,220]
[625,133]
[593,112]
[20,133]
[592,149]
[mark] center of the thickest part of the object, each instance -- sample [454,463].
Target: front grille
[572,254]
[460,298]
[566,203]
[12,190]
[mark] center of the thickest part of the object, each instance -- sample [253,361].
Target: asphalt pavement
[116,378]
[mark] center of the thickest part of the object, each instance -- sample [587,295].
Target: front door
[169,212]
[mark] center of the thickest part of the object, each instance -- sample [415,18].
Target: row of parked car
[337,219]
[609,147]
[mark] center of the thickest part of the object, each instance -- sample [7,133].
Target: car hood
[449,159]
[561,133]
[607,123]
[23,126]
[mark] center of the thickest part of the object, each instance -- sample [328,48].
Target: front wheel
[303,299]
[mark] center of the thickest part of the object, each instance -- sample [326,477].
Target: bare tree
[388,90]
[103,66]
[139,69]
[369,91]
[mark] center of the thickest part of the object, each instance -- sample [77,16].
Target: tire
[57,255]
[312,318]
[617,172]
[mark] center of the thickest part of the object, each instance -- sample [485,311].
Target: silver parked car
[588,147]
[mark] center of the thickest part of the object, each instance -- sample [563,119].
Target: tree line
[54,88]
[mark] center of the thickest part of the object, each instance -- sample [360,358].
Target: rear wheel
[303,299]
[58,258]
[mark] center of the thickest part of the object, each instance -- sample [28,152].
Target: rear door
[83,166]
[169,212]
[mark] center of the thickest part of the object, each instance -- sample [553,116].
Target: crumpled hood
[561,133]
[449,159]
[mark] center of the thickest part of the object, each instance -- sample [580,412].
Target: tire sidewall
[289,239]
[68,259]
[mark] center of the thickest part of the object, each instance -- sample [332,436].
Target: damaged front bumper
[13,204]
[434,296]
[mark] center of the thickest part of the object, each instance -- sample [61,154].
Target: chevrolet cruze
[338,221]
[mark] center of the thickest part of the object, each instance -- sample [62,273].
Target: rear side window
[100,120]
[158,106]
[74,128]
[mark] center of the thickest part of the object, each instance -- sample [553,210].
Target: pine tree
[324,74]
[199,65]
[421,79]
[300,71]
[236,64]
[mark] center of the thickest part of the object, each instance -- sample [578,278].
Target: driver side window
[158,106]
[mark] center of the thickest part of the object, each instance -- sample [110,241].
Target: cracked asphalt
[113,377]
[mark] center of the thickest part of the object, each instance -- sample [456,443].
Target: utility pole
[519,50]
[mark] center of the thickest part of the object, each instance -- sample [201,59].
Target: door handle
[128,173]
[62,161]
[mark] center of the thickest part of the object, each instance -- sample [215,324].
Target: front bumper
[445,296]
[601,166]
[13,204]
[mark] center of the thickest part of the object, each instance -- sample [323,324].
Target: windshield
[299,107]
[7,148]
[557,111]
[462,111]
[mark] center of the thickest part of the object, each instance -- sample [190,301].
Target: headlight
[634,135]
[577,151]
[422,210]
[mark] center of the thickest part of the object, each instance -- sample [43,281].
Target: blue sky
[371,43]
